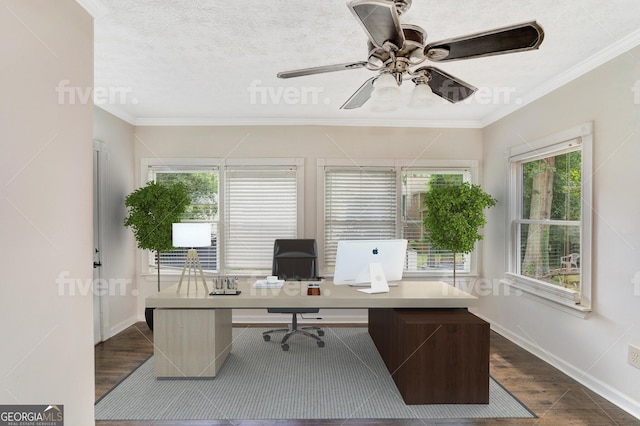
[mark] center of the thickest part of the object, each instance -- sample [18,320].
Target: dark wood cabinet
[435,356]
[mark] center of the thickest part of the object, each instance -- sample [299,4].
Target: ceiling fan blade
[515,38]
[361,95]
[379,19]
[449,87]
[320,70]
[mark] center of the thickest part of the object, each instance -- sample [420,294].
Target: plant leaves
[454,214]
[152,211]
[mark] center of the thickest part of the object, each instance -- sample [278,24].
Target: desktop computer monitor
[354,257]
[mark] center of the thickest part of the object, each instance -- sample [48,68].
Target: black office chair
[295,260]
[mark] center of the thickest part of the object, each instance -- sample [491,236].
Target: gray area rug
[346,379]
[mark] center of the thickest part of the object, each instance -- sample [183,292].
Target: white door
[98,302]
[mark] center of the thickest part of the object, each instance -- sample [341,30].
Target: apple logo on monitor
[375,250]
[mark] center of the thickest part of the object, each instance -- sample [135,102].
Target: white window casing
[579,138]
[258,200]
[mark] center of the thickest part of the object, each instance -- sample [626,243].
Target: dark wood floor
[551,395]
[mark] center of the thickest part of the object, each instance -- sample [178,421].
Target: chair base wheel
[285,347]
[266,337]
[320,333]
[320,344]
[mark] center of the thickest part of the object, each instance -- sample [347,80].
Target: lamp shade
[385,89]
[191,235]
[422,96]
[385,93]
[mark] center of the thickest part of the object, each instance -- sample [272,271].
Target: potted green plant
[453,215]
[152,210]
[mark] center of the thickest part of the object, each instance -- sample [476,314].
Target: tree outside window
[549,229]
[202,189]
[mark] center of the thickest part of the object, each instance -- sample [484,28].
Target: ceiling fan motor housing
[412,50]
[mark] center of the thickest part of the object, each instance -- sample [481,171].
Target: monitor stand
[378,280]
[379,272]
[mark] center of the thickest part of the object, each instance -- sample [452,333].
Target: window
[550,218]
[421,254]
[202,187]
[359,204]
[248,202]
[261,206]
[383,201]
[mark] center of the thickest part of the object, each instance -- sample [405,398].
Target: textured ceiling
[193,61]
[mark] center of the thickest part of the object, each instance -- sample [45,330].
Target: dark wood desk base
[435,356]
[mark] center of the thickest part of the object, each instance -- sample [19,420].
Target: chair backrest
[295,259]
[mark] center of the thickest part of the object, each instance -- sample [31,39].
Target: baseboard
[123,326]
[594,384]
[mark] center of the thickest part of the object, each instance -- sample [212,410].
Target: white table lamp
[191,235]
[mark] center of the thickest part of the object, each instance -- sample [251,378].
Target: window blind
[360,204]
[422,255]
[261,206]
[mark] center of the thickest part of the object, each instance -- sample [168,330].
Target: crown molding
[449,124]
[605,55]
[122,115]
[95,8]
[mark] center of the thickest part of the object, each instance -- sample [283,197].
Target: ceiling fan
[396,51]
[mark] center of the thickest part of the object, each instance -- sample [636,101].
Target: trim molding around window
[549,253]
[232,174]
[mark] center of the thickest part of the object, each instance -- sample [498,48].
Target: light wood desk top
[407,294]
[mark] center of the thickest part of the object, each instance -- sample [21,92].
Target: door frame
[100,149]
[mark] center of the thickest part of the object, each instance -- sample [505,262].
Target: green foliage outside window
[551,190]
[565,188]
[202,190]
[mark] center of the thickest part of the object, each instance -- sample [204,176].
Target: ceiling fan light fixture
[385,88]
[386,93]
[422,96]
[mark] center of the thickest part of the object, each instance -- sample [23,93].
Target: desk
[192,333]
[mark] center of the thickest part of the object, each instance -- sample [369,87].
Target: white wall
[46,207]
[119,245]
[310,143]
[593,350]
